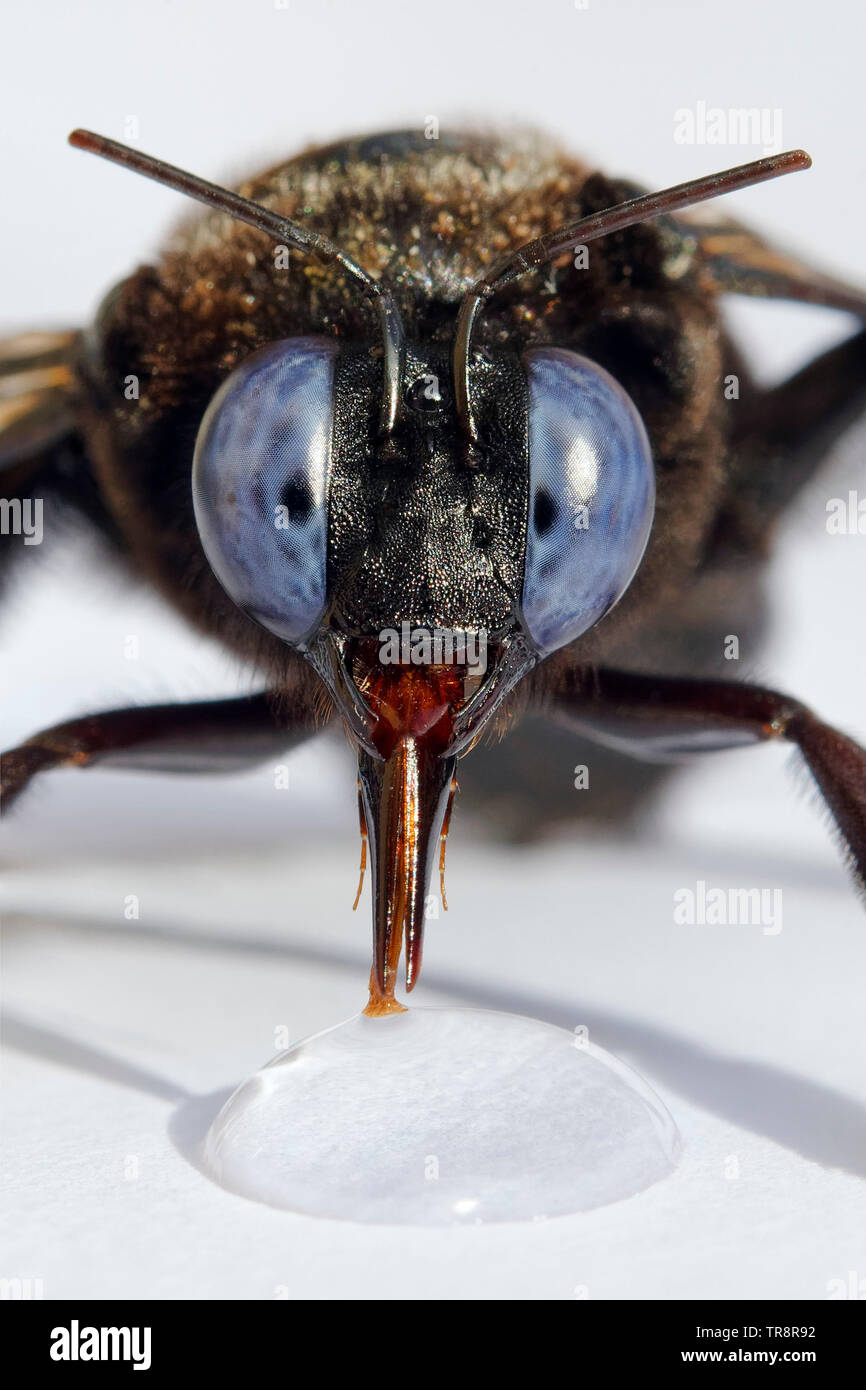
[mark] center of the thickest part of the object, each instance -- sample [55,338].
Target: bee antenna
[545,249]
[276,226]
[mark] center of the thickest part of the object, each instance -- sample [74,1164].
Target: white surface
[124,1036]
[128,1037]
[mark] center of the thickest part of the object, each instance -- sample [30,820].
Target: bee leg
[204,736]
[779,439]
[667,718]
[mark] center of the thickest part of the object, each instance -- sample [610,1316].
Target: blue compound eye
[591,495]
[260,484]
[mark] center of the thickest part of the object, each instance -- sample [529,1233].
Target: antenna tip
[81,139]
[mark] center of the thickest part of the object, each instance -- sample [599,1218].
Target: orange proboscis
[446,826]
[363,866]
[412,724]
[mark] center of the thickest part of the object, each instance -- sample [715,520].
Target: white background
[119,1035]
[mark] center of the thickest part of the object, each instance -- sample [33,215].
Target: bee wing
[779,436]
[35,396]
[732,259]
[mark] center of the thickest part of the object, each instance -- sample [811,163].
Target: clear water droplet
[441,1117]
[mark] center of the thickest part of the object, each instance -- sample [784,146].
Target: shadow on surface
[189,1121]
[818,1122]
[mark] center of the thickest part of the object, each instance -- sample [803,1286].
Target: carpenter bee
[400,400]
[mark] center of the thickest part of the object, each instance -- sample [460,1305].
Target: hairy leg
[205,736]
[665,718]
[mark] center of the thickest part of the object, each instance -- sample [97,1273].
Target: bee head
[423,525]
